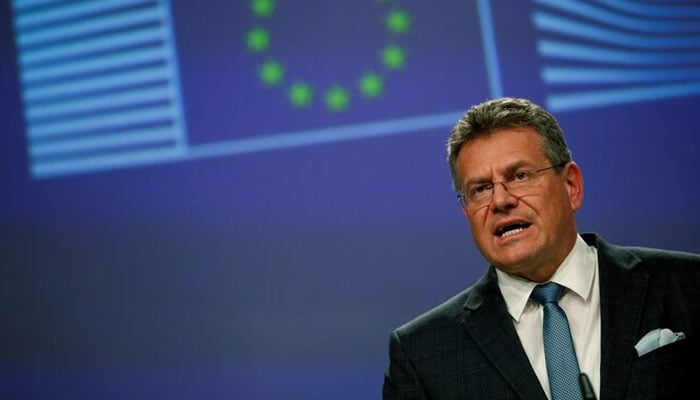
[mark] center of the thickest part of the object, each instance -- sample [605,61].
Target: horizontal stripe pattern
[100,83]
[601,53]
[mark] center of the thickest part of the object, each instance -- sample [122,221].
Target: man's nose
[502,198]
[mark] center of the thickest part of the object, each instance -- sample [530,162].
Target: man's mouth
[511,229]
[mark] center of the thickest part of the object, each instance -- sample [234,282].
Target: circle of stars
[300,93]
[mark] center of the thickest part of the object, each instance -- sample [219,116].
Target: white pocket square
[657,338]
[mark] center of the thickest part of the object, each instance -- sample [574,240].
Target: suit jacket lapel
[486,319]
[621,303]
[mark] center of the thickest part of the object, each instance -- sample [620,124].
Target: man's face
[528,234]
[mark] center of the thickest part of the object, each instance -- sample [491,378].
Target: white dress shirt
[580,301]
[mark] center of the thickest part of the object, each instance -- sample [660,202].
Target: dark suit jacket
[467,347]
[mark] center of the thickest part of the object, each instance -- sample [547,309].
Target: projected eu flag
[276,75]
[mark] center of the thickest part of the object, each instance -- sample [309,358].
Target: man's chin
[513,262]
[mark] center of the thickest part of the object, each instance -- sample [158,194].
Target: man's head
[520,188]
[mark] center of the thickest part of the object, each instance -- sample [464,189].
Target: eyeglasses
[518,184]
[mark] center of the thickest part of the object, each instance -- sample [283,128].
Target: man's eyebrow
[475,180]
[517,164]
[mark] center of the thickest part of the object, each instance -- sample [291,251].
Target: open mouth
[511,229]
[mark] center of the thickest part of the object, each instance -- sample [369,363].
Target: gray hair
[503,113]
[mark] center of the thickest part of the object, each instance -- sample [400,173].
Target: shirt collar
[576,273]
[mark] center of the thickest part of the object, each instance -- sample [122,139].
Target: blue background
[280,273]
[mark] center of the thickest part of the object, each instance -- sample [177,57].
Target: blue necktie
[562,366]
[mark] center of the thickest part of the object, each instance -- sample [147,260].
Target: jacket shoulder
[645,257]
[439,316]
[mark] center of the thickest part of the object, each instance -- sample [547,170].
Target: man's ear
[574,184]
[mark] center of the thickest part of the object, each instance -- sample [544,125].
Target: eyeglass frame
[462,198]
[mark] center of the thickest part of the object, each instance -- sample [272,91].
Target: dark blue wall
[277,269]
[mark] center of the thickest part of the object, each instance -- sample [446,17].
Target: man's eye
[522,175]
[478,190]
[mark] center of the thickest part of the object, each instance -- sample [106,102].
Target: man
[520,190]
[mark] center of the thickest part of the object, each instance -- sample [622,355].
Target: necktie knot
[547,293]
